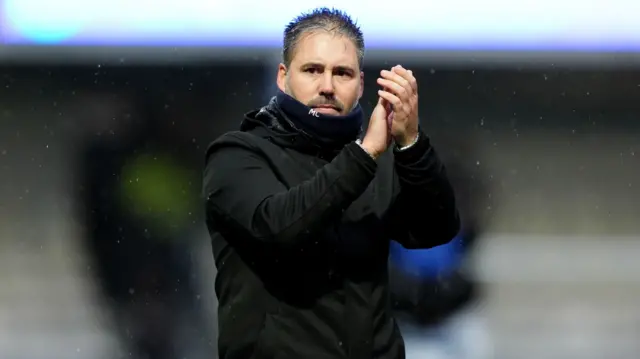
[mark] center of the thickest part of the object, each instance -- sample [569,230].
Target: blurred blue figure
[434,292]
[428,263]
[434,302]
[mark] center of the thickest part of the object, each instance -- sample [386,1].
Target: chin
[328,111]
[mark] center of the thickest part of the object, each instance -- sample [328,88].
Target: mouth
[327,110]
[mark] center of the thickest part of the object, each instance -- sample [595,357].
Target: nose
[326,84]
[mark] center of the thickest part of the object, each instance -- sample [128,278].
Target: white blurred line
[541,258]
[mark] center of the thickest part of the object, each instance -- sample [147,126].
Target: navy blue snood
[337,128]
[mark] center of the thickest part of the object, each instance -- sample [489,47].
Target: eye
[312,70]
[343,73]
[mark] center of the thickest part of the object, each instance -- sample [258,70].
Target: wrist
[370,150]
[407,139]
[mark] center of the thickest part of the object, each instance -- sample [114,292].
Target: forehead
[327,48]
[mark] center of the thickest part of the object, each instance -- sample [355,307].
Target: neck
[335,128]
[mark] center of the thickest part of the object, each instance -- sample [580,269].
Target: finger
[397,104]
[387,107]
[385,104]
[406,101]
[408,76]
[394,88]
[391,75]
[393,99]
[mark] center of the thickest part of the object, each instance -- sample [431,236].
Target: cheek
[302,89]
[350,94]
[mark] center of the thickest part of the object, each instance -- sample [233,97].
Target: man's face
[324,73]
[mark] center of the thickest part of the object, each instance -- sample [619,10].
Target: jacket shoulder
[238,139]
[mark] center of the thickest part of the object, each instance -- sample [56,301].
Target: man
[300,212]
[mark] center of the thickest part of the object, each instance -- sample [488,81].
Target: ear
[281,79]
[361,85]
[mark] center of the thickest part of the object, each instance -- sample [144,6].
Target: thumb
[379,109]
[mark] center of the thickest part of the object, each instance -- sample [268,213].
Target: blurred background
[106,110]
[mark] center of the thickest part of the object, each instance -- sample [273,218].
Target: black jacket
[300,229]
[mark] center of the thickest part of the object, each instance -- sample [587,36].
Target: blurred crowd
[132,142]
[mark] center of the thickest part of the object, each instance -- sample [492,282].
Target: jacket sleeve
[245,198]
[424,214]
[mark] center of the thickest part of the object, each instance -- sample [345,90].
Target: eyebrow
[317,64]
